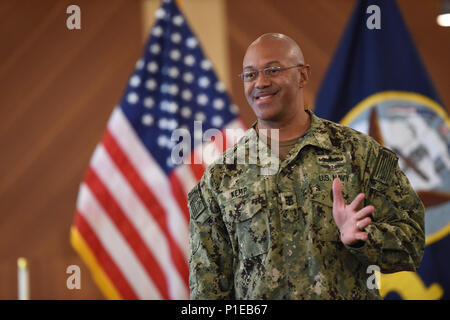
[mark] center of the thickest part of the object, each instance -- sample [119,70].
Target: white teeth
[262,97]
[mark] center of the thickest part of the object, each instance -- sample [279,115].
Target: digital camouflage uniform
[256,236]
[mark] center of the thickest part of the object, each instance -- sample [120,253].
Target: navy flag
[377,84]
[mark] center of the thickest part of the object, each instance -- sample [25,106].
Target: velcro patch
[384,168]
[196,203]
[288,201]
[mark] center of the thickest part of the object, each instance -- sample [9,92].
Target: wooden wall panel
[318,26]
[58,88]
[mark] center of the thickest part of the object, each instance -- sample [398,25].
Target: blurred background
[58,88]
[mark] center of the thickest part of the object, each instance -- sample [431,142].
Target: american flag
[131,219]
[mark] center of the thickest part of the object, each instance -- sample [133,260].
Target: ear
[305,73]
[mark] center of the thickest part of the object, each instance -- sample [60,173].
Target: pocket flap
[324,197]
[244,208]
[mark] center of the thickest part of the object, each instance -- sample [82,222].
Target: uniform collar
[316,135]
[320,135]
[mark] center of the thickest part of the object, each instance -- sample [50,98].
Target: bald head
[290,48]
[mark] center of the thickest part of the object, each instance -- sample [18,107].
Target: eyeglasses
[270,72]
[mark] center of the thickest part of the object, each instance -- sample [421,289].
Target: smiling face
[274,99]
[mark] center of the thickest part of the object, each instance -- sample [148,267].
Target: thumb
[338,200]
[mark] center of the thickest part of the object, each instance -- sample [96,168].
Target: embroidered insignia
[385,165]
[331,162]
[196,202]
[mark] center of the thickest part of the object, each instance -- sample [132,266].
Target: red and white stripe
[134,218]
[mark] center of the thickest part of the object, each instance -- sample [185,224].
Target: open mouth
[264,96]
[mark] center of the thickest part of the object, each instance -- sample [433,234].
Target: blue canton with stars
[174,85]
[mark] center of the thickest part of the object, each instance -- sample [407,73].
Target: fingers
[338,200]
[361,236]
[354,231]
[362,224]
[352,238]
[350,220]
[357,201]
[364,212]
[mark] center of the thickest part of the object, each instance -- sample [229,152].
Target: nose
[262,81]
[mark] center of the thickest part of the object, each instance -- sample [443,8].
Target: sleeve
[210,251]
[396,237]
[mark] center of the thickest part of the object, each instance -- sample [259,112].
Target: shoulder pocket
[197,206]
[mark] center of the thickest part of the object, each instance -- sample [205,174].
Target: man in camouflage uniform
[336,204]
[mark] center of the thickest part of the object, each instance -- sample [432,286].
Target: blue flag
[377,84]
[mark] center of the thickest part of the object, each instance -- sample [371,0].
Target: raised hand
[350,221]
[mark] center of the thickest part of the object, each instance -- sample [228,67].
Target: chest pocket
[320,195]
[249,218]
[323,226]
